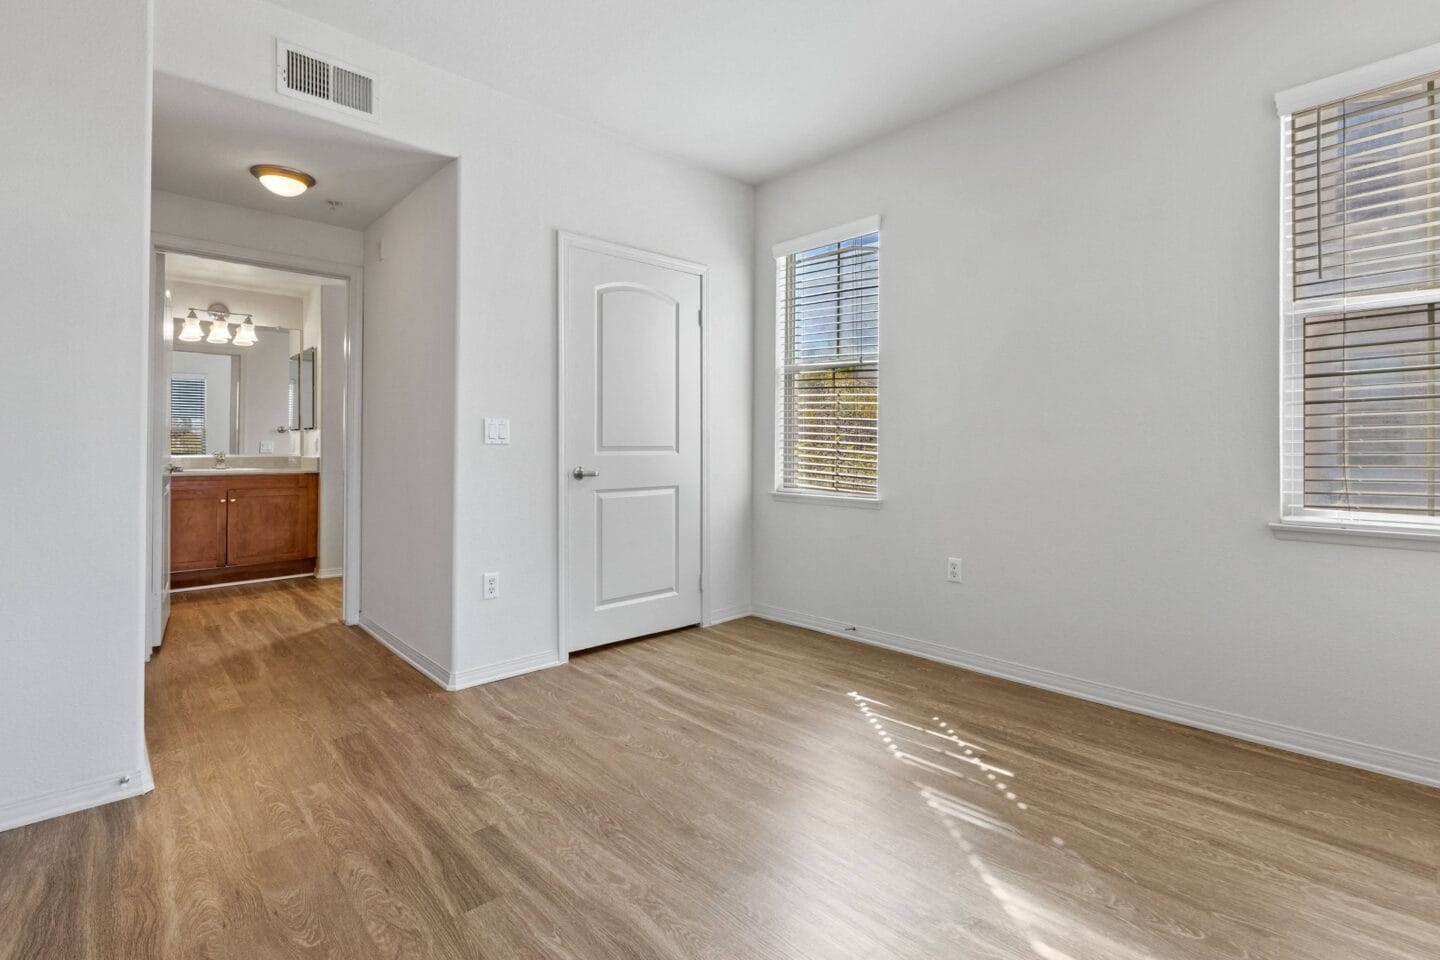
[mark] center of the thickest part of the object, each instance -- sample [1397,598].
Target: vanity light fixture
[282,181]
[190,331]
[245,335]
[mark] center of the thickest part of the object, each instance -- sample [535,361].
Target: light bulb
[245,335]
[190,331]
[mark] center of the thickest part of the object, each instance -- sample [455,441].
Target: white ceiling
[205,142]
[751,88]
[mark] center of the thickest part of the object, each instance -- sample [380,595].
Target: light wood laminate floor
[747,791]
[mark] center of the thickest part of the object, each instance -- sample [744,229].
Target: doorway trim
[565,242]
[353,275]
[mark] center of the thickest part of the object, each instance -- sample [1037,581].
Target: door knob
[580,473]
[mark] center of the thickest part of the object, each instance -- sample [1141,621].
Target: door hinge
[700,317]
[701,582]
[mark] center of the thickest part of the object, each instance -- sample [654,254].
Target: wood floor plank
[751,791]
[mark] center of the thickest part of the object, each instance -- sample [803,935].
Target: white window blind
[187,415]
[1361,348]
[828,319]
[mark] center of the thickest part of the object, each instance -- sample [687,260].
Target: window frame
[1296,521]
[781,251]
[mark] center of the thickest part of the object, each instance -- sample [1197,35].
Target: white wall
[268,309]
[523,174]
[211,222]
[1079,397]
[408,392]
[542,175]
[72,564]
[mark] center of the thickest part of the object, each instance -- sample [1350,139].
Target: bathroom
[255,493]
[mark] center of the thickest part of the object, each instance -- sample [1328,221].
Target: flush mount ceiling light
[282,181]
[190,332]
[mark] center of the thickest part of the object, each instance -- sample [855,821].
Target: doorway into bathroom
[248,422]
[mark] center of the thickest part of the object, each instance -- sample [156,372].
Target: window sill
[827,499]
[1357,533]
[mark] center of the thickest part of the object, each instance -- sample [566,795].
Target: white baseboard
[725,614]
[1394,763]
[239,583]
[57,803]
[456,680]
[499,671]
[403,650]
[329,573]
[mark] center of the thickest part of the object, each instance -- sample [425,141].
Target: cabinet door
[197,526]
[268,524]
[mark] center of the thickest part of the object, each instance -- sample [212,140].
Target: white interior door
[158,604]
[631,444]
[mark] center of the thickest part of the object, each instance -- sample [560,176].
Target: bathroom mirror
[302,382]
[247,400]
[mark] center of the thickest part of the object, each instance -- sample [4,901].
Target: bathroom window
[187,415]
[828,364]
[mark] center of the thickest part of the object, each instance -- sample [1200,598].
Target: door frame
[565,242]
[353,275]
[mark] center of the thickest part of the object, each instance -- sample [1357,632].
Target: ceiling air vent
[353,90]
[307,75]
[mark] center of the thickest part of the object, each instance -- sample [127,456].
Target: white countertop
[241,471]
[240,465]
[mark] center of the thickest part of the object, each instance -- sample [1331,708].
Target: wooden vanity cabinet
[197,525]
[243,527]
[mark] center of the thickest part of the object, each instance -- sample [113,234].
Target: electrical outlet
[492,586]
[952,570]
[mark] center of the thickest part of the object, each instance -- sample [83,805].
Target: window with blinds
[1361,347]
[828,319]
[187,415]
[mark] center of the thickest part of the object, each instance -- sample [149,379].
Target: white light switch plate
[497,430]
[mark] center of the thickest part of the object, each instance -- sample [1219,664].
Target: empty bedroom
[788,480]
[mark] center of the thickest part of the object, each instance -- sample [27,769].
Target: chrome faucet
[220,463]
